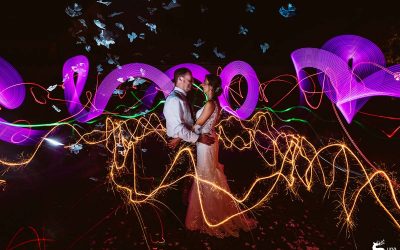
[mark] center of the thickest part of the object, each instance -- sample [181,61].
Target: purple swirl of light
[75,74]
[348,84]
[12,95]
[228,73]
[80,65]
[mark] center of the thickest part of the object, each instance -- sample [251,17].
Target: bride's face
[207,88]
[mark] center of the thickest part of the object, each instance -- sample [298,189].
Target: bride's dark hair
[215,82]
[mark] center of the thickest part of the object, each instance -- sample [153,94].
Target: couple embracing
[204,200]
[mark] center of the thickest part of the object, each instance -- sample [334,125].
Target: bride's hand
[220,167]
[173,143]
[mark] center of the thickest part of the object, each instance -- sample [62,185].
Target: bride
[204,199]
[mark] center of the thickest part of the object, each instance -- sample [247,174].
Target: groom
[179,118]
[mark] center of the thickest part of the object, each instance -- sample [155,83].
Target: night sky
[37,37]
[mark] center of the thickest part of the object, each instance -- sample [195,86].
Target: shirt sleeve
[197,128]
[176,126]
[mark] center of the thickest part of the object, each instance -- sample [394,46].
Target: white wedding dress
[217,206]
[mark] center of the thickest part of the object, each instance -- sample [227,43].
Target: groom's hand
[206,139]
[173,143]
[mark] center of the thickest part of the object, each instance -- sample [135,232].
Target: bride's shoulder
[210,105]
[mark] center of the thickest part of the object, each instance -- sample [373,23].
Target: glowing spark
[53,142]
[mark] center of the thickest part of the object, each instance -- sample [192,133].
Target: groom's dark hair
[180,72]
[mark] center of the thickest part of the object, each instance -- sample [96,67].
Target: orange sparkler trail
[289,160]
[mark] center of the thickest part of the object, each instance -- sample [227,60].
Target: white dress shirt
[178,116]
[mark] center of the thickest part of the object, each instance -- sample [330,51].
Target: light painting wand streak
[287,154]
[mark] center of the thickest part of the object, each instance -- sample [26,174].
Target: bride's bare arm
[207,112]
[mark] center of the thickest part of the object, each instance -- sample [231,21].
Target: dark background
[36,35]
[54,192]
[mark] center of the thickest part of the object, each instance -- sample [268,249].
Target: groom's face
[186,82]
